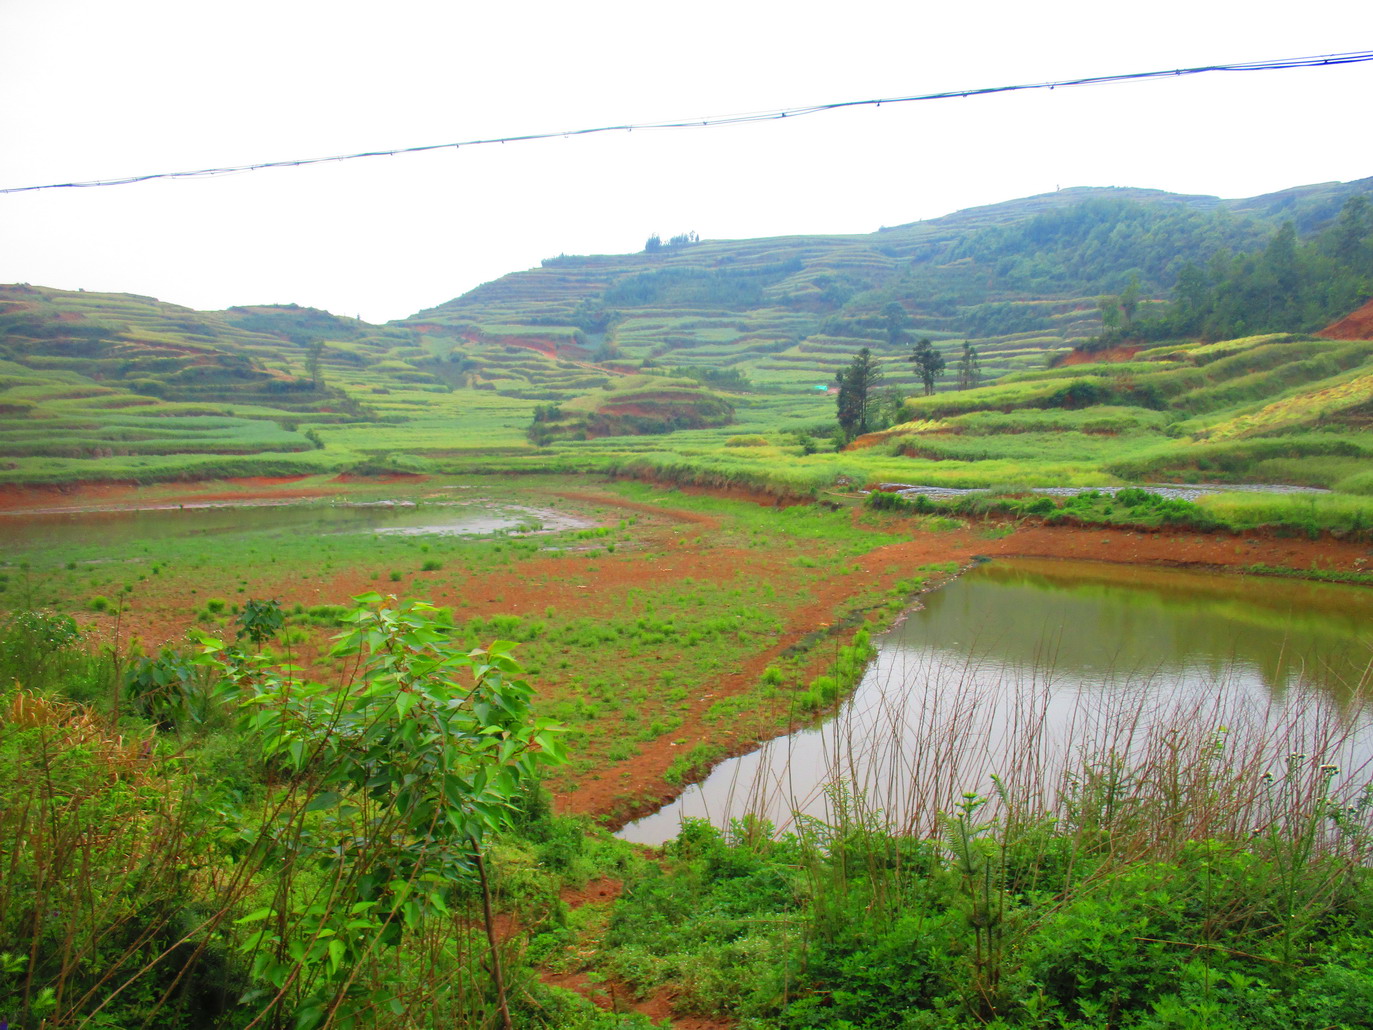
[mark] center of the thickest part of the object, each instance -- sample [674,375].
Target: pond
[1023,667]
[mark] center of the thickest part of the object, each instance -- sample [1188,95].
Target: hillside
[98,377]
[1275,408]
[1017,279]
[571,366]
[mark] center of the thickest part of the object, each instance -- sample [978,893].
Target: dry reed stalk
[77,725]
[1157,763]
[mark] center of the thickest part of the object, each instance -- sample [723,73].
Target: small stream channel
[1022,665]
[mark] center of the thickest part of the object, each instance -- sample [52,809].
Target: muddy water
[1023,665]
[469,517]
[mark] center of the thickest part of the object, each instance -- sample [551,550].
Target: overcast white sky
[94,89]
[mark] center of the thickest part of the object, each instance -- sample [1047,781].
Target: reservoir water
[1021,668]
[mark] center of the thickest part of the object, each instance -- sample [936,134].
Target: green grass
[628,667]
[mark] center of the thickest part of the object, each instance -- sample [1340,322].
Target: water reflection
[1090,619]
[469,517]
[1022,665]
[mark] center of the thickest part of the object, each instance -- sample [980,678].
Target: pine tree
[857,383]
[969,368]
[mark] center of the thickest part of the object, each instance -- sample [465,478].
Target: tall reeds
[1138,764]
[1027,849]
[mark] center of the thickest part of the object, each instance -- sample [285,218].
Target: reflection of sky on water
[1090,618]
[470,517]
[1022,662]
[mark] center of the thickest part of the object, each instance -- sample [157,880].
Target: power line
[1323,60]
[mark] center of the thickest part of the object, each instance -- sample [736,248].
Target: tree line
[1288,285]
[862,409]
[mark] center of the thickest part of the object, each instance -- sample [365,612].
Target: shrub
[38,648]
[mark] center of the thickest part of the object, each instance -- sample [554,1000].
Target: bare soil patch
[1112,354]
[1200,550]
[1358,325]
[88,496]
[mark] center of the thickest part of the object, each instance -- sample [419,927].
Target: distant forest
[1290,285]
[1101,243]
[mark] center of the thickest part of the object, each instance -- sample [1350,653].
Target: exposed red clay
[1357,325]
[1124,352]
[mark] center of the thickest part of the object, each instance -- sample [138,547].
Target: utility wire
[1319,61]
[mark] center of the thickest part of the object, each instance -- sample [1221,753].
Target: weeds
[1207,874]
[162,886]
[983,851]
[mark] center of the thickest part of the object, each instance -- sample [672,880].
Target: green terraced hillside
[1275,408]
[711,360]
[112,385]
[1017,279]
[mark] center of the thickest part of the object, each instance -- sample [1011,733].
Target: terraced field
[663,363]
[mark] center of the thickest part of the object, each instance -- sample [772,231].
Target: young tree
[857,384]
[969,368]
[928,363]
[1110,308]
[1352,232]
[897,321]
[887,409]
[314,358]
[1129,300]
[395,782]
[1191,293]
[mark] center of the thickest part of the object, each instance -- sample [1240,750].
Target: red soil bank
[1355,326]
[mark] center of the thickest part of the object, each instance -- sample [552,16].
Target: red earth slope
[1355,326]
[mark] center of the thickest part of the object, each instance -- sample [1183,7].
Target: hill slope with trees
[747,337]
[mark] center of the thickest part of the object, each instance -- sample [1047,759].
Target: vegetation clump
[358,830]
[1095,913]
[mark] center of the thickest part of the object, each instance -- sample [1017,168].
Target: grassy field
[664,620]
[625,622]
[664,629]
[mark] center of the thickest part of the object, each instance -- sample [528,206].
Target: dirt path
[608,993]
[614,995]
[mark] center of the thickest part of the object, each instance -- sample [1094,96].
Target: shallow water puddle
[473,516]
[482,519]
